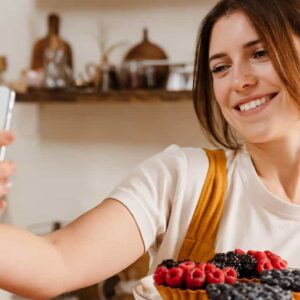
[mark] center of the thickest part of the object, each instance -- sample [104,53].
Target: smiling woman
[252,97]
[190,202]
[269,39]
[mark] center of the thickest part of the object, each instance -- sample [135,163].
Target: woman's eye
[219,69]
[260,54]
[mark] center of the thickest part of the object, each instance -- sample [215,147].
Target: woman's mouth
[254,104]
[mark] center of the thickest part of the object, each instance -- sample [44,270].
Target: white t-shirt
[162,193]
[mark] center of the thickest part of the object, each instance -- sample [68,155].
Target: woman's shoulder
[175,156]
[179,150]
[197,155]
[194,153]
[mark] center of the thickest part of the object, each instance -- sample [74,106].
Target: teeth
[254,103]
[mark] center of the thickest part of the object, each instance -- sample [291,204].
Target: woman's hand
[6,169]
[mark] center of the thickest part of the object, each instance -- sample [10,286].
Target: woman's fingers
[7,168]
[6,138]
[3,206]
[5,186]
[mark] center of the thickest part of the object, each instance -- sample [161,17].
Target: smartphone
[7,101]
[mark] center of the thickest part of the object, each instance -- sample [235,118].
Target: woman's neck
[277,163]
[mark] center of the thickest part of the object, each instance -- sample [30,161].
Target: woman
[6,169]
[246,90]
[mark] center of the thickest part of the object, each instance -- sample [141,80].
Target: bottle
[52,41]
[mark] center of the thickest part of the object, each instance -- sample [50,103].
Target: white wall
[69,156]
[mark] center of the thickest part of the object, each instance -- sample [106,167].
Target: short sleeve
[150,190]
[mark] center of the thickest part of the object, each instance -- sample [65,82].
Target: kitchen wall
[69,156]
[172,25]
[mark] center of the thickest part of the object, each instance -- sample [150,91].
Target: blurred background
[101,85]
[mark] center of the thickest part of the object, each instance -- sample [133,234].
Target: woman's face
[249,92]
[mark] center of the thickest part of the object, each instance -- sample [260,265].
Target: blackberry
[168,263]
[246,291]
[248,269]
[244,264]
[287,279]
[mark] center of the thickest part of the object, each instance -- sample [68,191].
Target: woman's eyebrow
[245,46]
[251,43]
[216,56]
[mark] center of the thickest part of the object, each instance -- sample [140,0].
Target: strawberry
[216,276]
[159,275]
[187,265]
[194,278]
[230,275]
[263,264]
[175,277]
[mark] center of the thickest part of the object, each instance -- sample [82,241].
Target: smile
[255,103]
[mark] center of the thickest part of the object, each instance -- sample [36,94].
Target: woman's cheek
[221,91]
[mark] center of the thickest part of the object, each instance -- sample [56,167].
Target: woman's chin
[258,138]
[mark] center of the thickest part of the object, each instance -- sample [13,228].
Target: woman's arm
[95,246]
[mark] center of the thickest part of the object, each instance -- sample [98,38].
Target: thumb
[3,206]
[6,137]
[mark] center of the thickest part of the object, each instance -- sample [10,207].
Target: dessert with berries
[287,279]
[244,291]
[249,264]
[190,279]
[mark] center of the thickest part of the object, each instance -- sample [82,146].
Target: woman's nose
[243,79]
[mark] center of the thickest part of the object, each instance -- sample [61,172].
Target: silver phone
[7,101]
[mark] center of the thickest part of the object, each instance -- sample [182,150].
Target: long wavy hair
[276,21]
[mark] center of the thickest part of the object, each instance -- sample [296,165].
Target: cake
[232,272]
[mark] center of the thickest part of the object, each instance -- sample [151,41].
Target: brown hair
[275,22]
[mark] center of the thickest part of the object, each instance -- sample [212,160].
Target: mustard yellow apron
[199,242]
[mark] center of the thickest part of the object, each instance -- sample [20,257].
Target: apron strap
[199,242]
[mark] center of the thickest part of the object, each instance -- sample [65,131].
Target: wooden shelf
[45,96]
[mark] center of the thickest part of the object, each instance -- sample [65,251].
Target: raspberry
[201,266]
[175,277]
[187,265]
[230,275]
[251,252]
[210,267]
[278,263]
[216,276]
[263,264]
[194,278]
[159,275]
[271,254]
[259,255]
[239,251]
